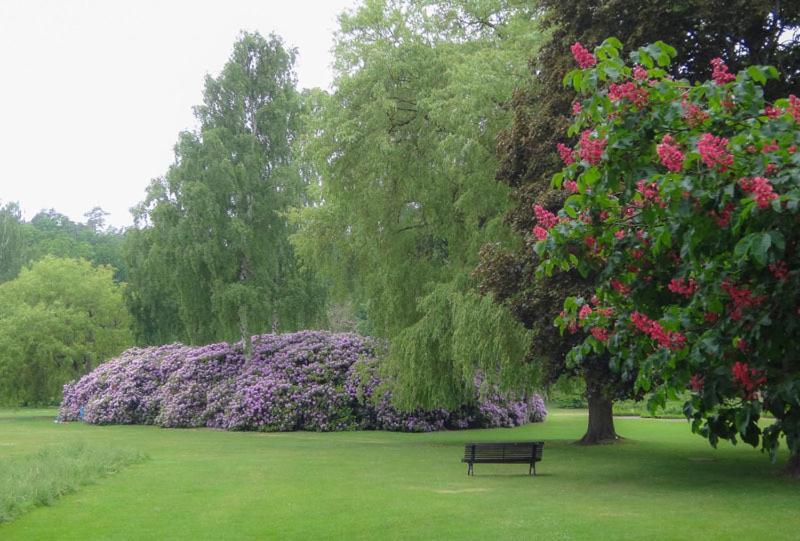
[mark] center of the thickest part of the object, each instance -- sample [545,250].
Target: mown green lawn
[662,483]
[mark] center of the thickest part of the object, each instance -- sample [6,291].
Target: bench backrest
[529,450]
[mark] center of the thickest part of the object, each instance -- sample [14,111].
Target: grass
[56,470]
[661,483]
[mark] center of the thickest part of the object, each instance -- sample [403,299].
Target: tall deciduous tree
[404,149]
[218,238]
[742,32]
[12,254]
[59,319]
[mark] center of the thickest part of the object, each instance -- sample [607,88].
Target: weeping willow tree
[403,152]
[460,336]
[213,246]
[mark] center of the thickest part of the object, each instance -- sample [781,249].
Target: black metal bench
[528,452]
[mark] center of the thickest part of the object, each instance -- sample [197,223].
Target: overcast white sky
[93,93]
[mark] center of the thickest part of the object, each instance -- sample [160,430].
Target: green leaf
[761,247]
[591,176]
[777,240]
[742,420]
[756,74]
[645,59]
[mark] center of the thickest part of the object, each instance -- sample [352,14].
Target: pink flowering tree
[684,204]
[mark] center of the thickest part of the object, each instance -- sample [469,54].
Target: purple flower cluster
[301,381]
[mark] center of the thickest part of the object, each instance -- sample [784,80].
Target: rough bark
[601,416]
[601,421]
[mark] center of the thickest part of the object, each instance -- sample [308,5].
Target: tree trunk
[601,417]
[793,466]
[601,421]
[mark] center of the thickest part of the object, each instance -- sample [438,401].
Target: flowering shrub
[301,381]
[687,214]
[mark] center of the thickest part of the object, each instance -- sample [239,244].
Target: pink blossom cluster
[571,186]
[630,91]
[619,287]
[720,74]
[669,154]
[693,114]
[723,217]
[696,383]
[794,107]
[714,152]
[649,191]
[748,378]
[539,232]
[586,310]
[667,339]
[582,56]
[639,73]
[599,333]
[761,188]
[576,107]
[681,286]
[566,153]
[772,146]
[780,270]
[546,219]
[592,148]
[741,299]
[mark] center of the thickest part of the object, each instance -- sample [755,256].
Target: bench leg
[469,469]
[532,469]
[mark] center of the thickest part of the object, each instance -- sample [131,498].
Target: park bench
[529,452]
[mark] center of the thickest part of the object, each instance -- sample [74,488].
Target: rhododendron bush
[684,206]
[301,381]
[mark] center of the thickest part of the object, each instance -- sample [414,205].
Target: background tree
[52,233]
[216,239]
[12,254]
[60,319]
[764,32]
[403,149]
